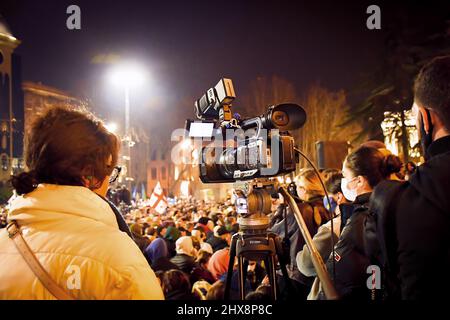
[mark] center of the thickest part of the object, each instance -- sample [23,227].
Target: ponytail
[391,164]
[24,182]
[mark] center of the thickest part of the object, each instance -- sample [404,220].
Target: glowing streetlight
[112,127]
[127,76]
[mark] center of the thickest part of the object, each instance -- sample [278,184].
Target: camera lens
[280,118]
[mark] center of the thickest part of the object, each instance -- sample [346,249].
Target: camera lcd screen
[201,129]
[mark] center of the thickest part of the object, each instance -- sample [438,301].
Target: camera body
[233,149]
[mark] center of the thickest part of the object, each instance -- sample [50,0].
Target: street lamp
[111,127]
[127,76]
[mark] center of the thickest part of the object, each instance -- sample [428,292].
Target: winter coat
[184,262]
[75,236]
[350,260]
[323,244]
[410,226]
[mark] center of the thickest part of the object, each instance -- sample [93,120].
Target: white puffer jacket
[75,236]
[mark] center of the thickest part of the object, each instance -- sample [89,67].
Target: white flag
[157,200]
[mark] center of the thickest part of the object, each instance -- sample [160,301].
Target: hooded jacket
[75,236]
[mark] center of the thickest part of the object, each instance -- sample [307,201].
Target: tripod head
[253,219]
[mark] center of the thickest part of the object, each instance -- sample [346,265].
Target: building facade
[11,105]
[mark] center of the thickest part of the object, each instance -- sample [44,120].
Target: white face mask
[349,194]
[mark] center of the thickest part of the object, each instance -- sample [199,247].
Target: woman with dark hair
[63,240]
[362,170]
[176,286]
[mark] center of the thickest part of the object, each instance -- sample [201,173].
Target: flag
[157,200]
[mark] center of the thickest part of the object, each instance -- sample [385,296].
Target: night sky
[186,46]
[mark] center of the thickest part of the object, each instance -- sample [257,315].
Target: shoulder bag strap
[34,264]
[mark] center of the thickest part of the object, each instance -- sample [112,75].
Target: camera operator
[314,213]
[410,221]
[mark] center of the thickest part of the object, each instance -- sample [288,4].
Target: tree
[264,92]
[411,40]
[326,110]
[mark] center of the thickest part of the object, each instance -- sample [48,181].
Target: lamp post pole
[128,137]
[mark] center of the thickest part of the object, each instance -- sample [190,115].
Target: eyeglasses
[115,174]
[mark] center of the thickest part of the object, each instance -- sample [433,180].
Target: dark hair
[63,145]
[326,173]
[412,164]
[203,257]
[432,88]
[203,220]
[150,231]
[257,296]
[333,183]
[159,229]
[217,291]
[372,164]
[175,280]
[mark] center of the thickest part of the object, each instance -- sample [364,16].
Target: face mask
[425,138]
[349,194]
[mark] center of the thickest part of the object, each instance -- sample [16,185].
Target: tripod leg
[274,275]
[270,269]
[230,266]
[244,272]
[241,277]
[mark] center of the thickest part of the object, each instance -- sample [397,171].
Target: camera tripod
[254,247]
[253,243]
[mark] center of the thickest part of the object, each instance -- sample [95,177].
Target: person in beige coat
[69,227]
[322,239]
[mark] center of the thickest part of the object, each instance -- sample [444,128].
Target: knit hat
[218,264]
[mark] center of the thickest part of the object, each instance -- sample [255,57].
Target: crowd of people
[188,245]
[376,212]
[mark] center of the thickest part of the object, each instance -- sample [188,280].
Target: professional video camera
[240,151]
[243,149]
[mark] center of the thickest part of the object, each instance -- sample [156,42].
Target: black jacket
[412,231]
[350,259]
[184,262]
[217,243]
[163,264]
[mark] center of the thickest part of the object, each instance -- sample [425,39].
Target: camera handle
[286,241]
[322,273]
[333,254]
